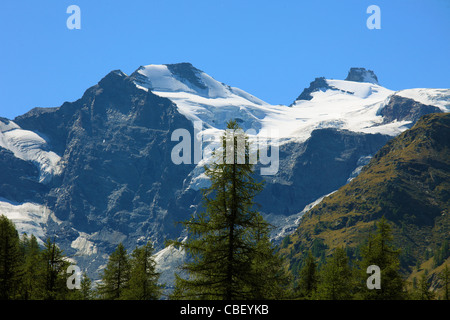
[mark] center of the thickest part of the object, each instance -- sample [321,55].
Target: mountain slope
[117,180]
[407,181]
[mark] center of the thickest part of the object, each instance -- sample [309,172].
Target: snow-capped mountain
[353,104]
[98,171]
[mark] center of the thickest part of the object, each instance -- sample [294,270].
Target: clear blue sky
[271,49]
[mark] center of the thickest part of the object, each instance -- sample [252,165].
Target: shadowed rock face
[316,85]
[400,109]
[19,179]
[118,181]
[320,83]
[361,75]
[316,167]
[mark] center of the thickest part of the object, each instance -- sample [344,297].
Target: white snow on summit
[348,105]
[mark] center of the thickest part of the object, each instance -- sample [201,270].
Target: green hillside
[407,182]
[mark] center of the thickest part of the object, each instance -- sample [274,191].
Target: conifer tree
[116,275]
[444,278]
[86,288]
[31,284]
[143,283]
[10,258]
[228,241]
[336,278]
[380,251]
[54,277]
[308,277]
[424,292]
[268,278]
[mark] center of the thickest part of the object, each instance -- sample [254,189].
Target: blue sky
[272,49]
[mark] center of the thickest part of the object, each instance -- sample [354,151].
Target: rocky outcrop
[362,75]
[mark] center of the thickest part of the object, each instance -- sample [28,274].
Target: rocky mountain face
[320,165]
[98,171]
[317,85]
[117,181]
[408,182]
[361,75]
[401,108]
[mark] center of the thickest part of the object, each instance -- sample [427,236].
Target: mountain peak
[318,84]
[170,78]
[362,75]
[187,71]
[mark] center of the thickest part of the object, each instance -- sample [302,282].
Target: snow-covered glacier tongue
[30,146]
[200,97]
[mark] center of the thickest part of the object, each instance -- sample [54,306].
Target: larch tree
[10,259]
[231,256]
[143,283]
[380,251]
[116,275]
[308,278]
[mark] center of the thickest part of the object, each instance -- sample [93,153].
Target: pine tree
[116,275]
[268,279]
[336,278]
[380,251]
[308,277]
[444,278]
[10,258]
[31,284]
[143,283]
[423,290]
[54,273]
[231,254]
[85,292]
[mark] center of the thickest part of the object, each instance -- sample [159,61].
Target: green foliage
[422,289]
[318,250]
[380,251]
[308,278]
[441,253]
[232,257]
[54,272]
[286,241]
[29,272]
[116,275]
[342,278]
[32,268]
[444,278]
[336,278]
[143,281]
[10,259]
[86,292]
[408,183]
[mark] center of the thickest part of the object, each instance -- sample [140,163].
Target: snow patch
[435,97]
[286,225]
[168,260]
[29,146]
[360,164]
[29,218]
[83,245]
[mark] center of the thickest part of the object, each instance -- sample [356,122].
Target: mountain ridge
[406,181]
